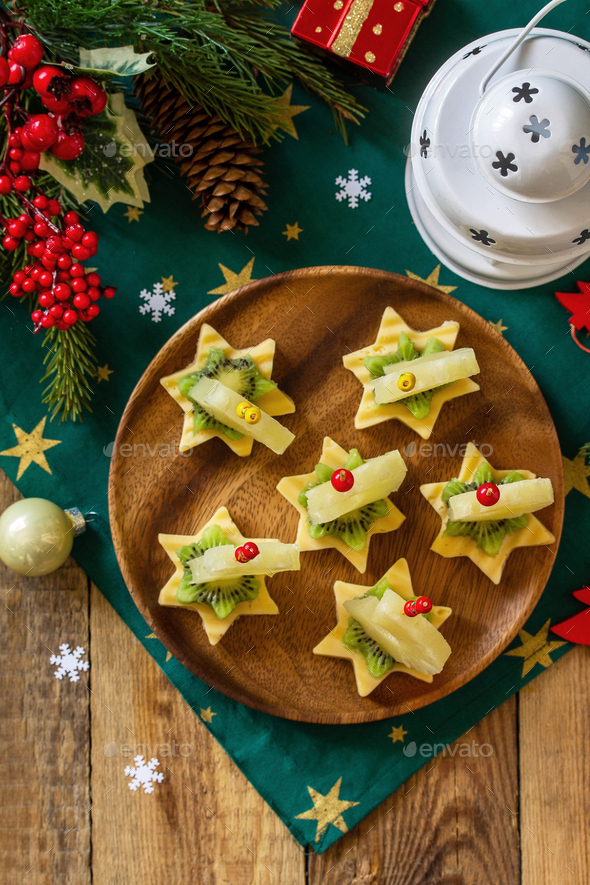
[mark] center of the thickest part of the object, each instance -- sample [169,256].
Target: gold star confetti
[31,448]
[103,372]
[498,326]
[293,231]
[288,111]
[576,473]
[233,280]
[168,283]
[534,534]
[397,734]
[291,486]
[390,329]
[432,280]
[535,649]
[327,810]
[213,626]
[398,578]
[132,213]
[207,715]
[168,653]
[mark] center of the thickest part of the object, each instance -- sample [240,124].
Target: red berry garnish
[14,167]
[70,317]
[77,270]
[19,276]
[87,97]
[56,311]
[79,284]
[5,184]
[487,494]
[36,316]
[22,184]
[93,293]
[68,147]
[110,291]
[45,278]
[15,153]
[48,321]
[90,240]
[52,81]
[16,74]
[54,207]
[46,299]
[71,217]
[75,232]
[62,291]
[41,131]
[4,72]
[54,245]
[342,480]
[81,253]
[10,243]
[241,555]
[29,286]
[93,278]
[82,301]
[16,228]
[15,290]
[41,202]
[30,161]
[93,311]
[26,51]
[64,262]
[251,549]
[37,249]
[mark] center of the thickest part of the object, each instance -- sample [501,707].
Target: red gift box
[374,34]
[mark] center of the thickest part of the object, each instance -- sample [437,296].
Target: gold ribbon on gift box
[351,27]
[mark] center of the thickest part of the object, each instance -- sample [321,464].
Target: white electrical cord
[516,43]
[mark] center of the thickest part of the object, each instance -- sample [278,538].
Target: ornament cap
[77,519]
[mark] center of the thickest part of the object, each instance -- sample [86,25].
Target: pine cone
[221,167]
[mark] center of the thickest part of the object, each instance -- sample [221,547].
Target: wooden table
[519,816]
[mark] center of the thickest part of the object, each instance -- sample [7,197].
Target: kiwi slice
[352,528]
[417,403]
[487,534]
[241,374]
[223,595]
[356,640]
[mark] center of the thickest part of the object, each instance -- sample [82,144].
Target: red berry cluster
[246,552]
[69,99]
[65,290]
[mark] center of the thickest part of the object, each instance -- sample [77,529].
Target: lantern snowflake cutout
[144,774]
[69,662]
[353,188]
[157,302]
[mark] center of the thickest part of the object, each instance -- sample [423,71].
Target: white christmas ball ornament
[36,536]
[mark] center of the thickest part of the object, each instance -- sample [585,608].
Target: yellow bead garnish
[252,415]
[406,381]
[241,410]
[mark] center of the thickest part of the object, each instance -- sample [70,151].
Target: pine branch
[216,53]
[70,364]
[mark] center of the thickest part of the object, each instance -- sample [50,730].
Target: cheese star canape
[495,534]
[258,363]
[352,535]
[398,579]
[395,336]
[237,579]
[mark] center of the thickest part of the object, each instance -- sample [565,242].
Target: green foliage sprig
[225,56]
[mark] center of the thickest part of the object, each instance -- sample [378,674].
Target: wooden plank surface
[518,816]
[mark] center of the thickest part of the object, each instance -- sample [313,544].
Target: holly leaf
[110,168]
[578,304]
[115,61]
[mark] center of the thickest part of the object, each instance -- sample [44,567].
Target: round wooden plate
[316,315]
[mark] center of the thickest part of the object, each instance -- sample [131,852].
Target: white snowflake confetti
[156,302]
[352,188]
[69,662]
[143,774]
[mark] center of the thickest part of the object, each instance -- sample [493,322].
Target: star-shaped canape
[275,402]
[533,534]
[290,487]
[214,627]
[399,580]
[392,325]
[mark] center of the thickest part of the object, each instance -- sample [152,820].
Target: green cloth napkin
[336,771]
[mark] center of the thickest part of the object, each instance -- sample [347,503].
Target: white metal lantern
[498,181]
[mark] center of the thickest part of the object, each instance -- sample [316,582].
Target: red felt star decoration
[578,303]
[577,629]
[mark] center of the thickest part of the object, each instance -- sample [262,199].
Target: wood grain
[44,728]
[204,823]
[447,824]
[315,315]
[555,773]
